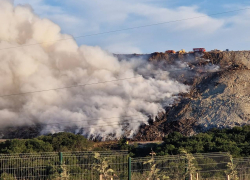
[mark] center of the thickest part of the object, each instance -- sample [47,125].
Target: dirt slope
[217,99]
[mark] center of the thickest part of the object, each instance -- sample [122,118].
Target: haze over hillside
[218,96]
[95,94]
[51,85]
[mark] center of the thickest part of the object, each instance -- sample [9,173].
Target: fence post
[112,177]
[61,158]
[197,176]
[186,169]
[190,176]
[61,163]
[129,168]
[228,177]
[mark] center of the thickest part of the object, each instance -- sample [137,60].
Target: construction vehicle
[182,51]
[199,49]
[216,50]
[170,51]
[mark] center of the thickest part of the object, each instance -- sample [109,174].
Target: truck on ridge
[199,49]
[170,51]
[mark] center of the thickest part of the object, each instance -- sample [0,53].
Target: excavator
[170,51]
[182,51]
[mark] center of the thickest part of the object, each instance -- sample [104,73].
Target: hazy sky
[83,17]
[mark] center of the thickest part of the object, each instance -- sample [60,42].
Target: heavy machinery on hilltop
[199,49]
[216,50]
[170,51]
[182,51]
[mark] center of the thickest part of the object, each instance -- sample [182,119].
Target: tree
[64,141]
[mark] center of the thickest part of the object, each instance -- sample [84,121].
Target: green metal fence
[242,168]
[168,167]
[202,166]
[74,165]
[116,165]
[210,165]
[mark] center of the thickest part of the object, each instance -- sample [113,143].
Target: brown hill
[219,98]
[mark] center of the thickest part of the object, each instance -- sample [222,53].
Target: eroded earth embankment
[219,98]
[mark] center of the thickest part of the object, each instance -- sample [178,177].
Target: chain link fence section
[65,166]
[241,167]
[185,166]
[159,167]
[95,165]
[29,166]
[207,166]
[114,165]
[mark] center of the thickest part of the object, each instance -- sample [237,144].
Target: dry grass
[105,144]
[2,140]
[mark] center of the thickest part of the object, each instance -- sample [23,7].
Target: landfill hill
[219,95]
[218,98]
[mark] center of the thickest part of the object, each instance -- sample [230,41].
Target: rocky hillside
[218,98]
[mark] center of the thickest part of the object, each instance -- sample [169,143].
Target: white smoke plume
[55,64]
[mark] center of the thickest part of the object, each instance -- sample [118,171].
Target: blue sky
[83,17]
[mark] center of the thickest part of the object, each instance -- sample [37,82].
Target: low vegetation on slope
[49,143]
[235,140]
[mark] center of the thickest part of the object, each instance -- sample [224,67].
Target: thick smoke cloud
[55,64]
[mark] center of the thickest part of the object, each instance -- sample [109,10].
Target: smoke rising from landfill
[56,64]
